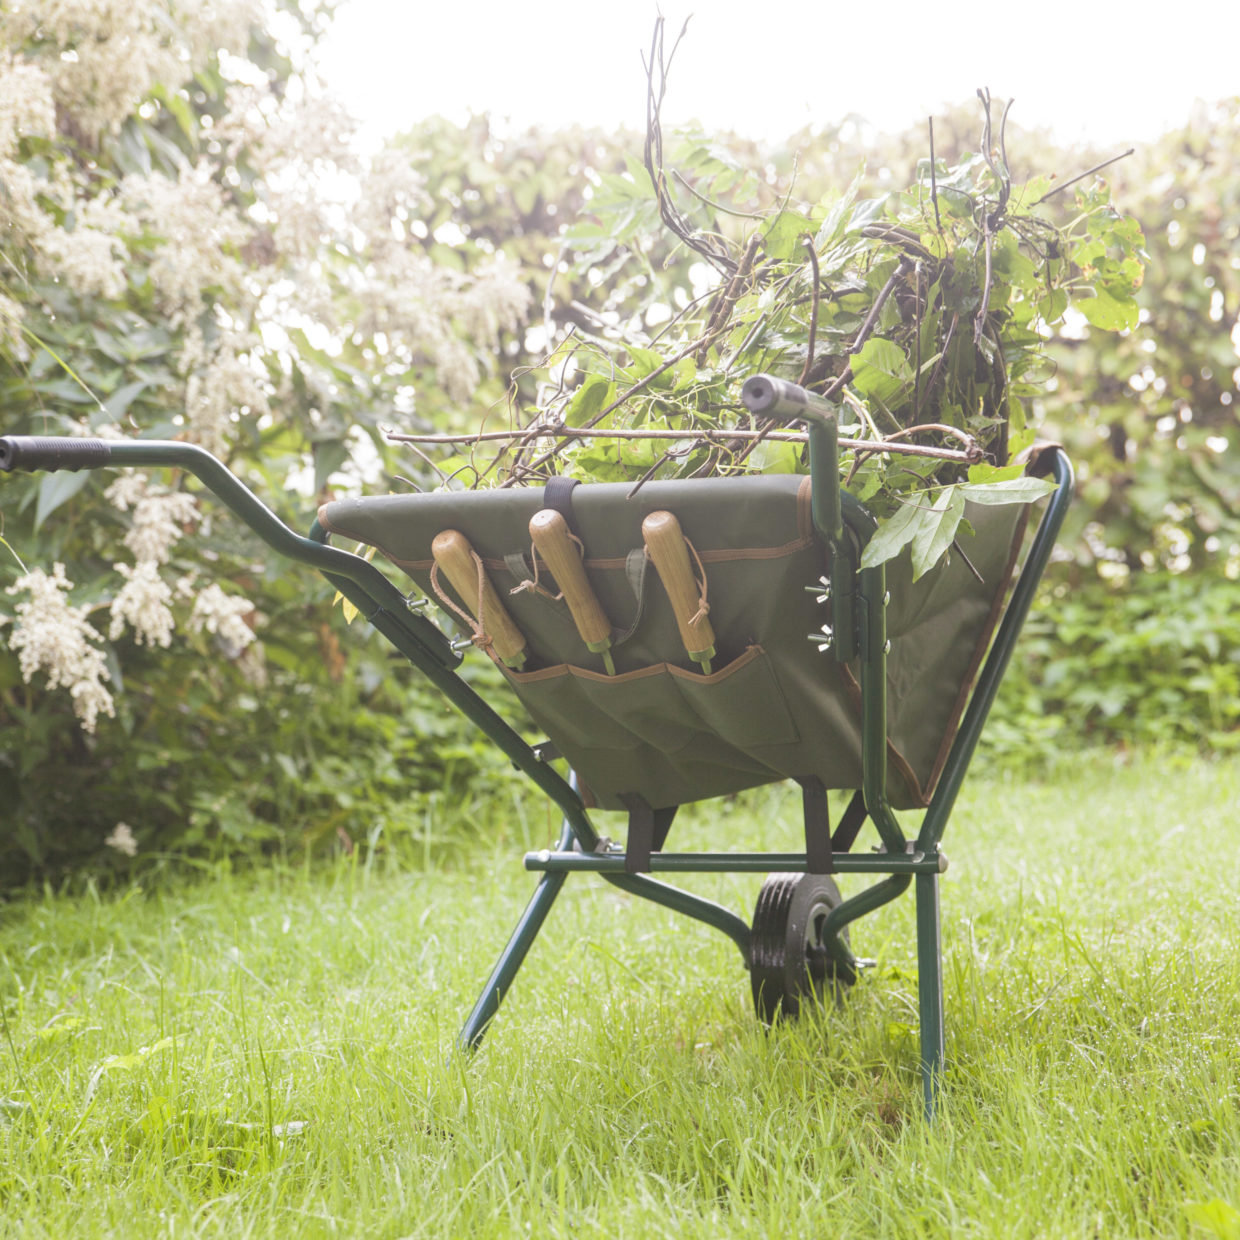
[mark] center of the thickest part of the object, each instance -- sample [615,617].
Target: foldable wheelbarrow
[687,641]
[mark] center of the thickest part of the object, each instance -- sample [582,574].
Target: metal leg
[679,901]
[929,987]
[510,960]
[519,944]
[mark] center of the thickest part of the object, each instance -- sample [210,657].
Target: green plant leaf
[936,530]
[776,458]
[881,372]
[984,474]
[329,456]
[783,236]
[1010,491]
[837,212]
[56,489]
[118,403]
[892,536]
[594,395]
[645,361]
[1110,313]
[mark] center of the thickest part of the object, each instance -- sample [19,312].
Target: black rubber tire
[787,962]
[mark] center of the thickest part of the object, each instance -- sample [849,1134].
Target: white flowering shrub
[53,637]
[190,248]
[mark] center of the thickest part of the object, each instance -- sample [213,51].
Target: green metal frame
[859,600]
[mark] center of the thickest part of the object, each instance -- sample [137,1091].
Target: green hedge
[1153,662]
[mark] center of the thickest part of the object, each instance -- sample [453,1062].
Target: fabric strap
[558,494]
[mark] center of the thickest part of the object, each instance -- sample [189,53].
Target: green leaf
[594,395]
[56,489]
[623,187]
[329,456]
[1110,313]
[133,155]
[832,227]
[525,194]
[866,212]
[881,372]
[776,458]
[1013,491]
[684,373]
[645,361]
[120,400]
[994,473]
[178,105]
[936,530]
[783,237]
[289,767]
[1052,306]
[641,177]
[892,536]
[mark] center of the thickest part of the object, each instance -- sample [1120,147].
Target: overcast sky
[1109,73]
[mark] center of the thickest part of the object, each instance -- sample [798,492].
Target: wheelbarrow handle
[39,452]
[380,598]
[768,396]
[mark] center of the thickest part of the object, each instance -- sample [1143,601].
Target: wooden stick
[667,548]
[549,533]
[459,563]
[969,455]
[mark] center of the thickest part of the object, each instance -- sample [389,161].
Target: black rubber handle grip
[38,452]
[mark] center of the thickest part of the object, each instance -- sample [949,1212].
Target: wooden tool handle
[549,532]
[456,561]
[667,548]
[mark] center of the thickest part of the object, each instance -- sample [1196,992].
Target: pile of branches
[924,314]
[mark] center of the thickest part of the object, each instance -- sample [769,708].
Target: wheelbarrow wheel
[788,963]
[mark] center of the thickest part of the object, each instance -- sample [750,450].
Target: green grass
[264,1054]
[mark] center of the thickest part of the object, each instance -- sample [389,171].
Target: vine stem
[1106,163]
[815,292]
[643,382]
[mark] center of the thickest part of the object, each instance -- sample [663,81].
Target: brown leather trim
[805,512]
[326,524]
[979,651]
[557,670]
[724,556]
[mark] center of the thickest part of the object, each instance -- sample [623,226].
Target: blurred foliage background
[192,248]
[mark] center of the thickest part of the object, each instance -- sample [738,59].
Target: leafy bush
[333,742]
[1155,661]
[174,265]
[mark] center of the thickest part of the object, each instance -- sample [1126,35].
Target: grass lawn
[266,1054]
